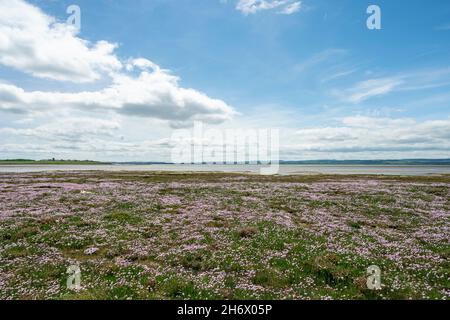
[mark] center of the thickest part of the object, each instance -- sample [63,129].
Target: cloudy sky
[137,70]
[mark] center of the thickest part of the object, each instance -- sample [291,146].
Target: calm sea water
[284,169]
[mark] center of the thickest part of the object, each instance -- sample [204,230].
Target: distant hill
[402,162]
[373,162]
[330,162]
[53,162]
[141,162]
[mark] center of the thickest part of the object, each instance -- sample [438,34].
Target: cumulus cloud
[81,138]
[365,134]
[356,137]
[72,130]
[84,137]
[155,94]
[38,44]
[252,6]
[142,64]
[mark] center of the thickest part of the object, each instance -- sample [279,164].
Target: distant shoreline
[51,162]
[283,169]
[400,162]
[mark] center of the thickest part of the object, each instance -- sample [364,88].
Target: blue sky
[336,89]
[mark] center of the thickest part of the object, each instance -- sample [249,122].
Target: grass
[230,236]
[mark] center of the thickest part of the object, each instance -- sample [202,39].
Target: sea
[284,169]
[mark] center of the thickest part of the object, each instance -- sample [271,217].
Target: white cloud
[106,150]
[155,94]
[38,44]
[364,134]
[71,130]
[356,137]
[372,88]
[375,87]
[83,138]
[253,6]
[292,8]
[142,64]
[127,118]
[316,59]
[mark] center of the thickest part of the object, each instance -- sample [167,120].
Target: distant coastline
[399,162]
[50,162]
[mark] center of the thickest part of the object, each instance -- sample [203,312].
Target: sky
[136,71]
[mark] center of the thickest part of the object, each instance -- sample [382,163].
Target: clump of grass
[16,252]
[197,261]
[269,278]
[151,231]
[217,222]
[125,206]
[21,233]
[280,263]
[247,232]
[122,216]
[326,269]
[177,288]
[354,224]
[48,221]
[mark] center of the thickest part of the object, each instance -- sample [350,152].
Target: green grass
[216,244]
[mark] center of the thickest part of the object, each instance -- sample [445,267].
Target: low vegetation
[230,236]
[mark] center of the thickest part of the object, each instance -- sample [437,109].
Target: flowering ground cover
[223,236]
